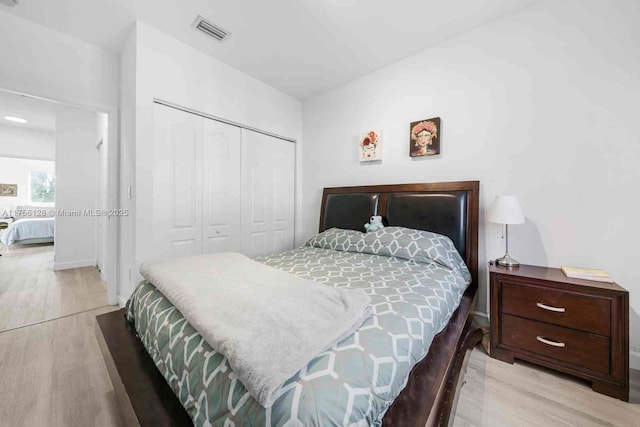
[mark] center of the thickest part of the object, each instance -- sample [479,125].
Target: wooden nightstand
[580,327]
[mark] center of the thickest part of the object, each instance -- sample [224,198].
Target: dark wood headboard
[447,208]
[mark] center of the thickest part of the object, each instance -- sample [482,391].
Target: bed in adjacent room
[399,368]
[26,231]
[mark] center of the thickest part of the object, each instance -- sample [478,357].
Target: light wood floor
[522,394]
[31,292]
[51,369]
[53,374]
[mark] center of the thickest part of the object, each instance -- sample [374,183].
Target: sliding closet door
[217,188]
[177,182]
[221,187]
[268,176]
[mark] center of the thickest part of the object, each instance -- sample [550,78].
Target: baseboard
[122,301]
[634,360]
[481,318]
[74,264]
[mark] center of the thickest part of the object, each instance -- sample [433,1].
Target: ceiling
[302,47]
[40,115]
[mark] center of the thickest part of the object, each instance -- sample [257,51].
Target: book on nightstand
[587,274]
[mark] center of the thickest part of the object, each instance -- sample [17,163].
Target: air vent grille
[211,30]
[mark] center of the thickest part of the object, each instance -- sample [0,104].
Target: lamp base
[507,261]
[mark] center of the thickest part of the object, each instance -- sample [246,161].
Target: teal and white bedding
[238,305]
[415,280]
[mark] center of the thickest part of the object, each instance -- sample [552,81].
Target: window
[43,187]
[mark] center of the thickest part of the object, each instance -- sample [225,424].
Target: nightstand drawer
[578,348]
[578,311]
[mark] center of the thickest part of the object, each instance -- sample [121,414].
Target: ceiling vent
[211,30]
[10,3]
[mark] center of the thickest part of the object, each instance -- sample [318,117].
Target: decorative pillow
[336,239]
[420,246]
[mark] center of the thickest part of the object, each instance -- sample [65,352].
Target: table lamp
[506,210]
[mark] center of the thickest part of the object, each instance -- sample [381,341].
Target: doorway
[58,237]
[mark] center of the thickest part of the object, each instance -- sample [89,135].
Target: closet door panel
[177,183]
[182,173]
[283,194]
[268,173]
[254,183]
[179,248]
[221,187]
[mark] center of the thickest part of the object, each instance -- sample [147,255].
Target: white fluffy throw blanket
[268,323]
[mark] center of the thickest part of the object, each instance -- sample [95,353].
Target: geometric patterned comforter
[416,281]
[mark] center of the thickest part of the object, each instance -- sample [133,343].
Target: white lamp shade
[506,210]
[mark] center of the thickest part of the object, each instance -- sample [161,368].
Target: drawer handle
[550,308]
[549,342]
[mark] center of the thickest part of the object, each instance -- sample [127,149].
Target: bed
[27,231]
[385,374]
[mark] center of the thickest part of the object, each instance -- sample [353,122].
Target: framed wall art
[425,137]
[8,190]
[370,146]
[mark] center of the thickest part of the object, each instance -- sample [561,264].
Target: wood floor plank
[522,394]
[30,291]
[53,374]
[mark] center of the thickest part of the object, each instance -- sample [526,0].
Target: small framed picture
[370,146]
[424,137]
[8,190]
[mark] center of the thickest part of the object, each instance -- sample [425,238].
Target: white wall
[543,104]
[27,143]
[127,164]
[172,71]
[76,177]
[22,150]
[39,61]
[16,171]
[102,189]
